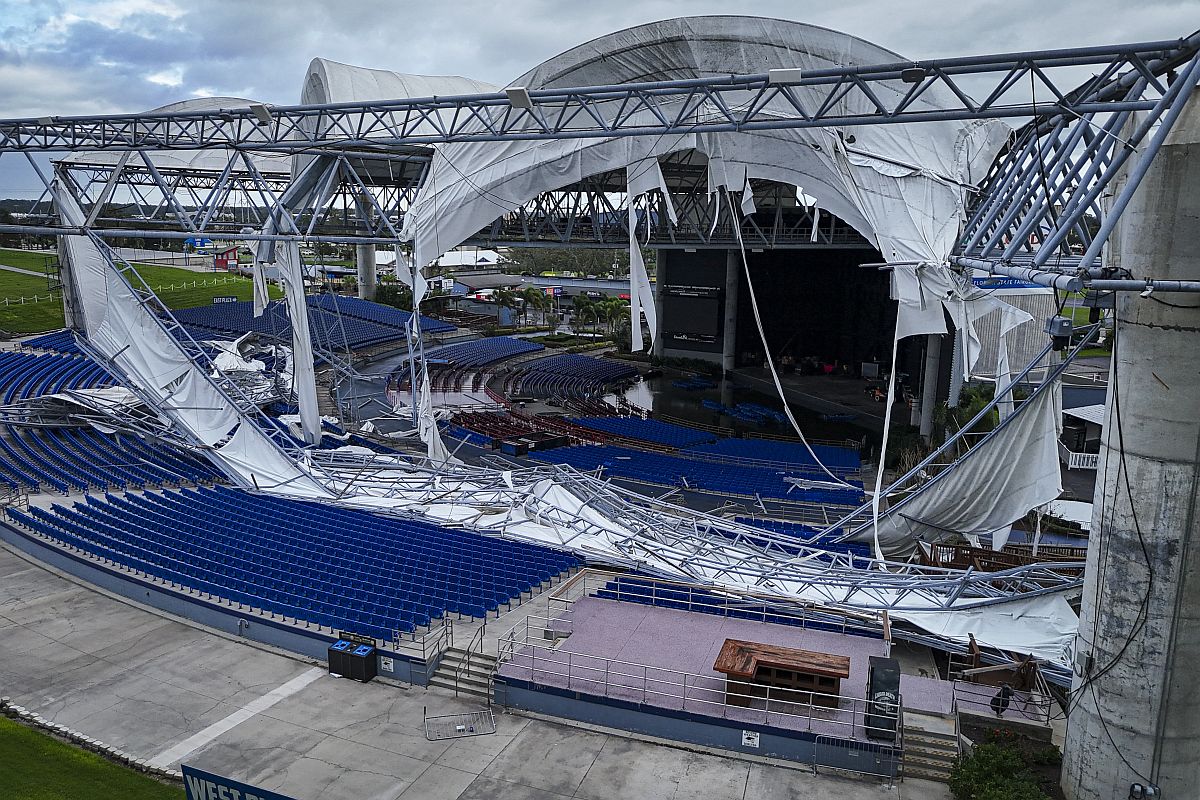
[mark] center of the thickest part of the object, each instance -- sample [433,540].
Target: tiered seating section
[647,430]
[700,474]
[567,375]
[469,359]
[315,564]
[376,312]
[27,375]
[482,352]
[57,342]
[234,319]
[843,459]
[65,459]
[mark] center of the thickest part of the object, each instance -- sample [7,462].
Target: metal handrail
[474,645]
[1035,706]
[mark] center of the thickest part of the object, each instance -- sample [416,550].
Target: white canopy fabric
[211,160]
[138,347]
[898,185]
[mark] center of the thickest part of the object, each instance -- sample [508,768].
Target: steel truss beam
[1042,213]
[736,103]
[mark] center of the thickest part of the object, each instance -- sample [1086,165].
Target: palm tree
[583,305]
[504,298]
[534,298]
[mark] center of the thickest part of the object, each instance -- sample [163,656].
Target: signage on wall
[201,785]
[749,738]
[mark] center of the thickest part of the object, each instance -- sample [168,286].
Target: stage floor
[664,658]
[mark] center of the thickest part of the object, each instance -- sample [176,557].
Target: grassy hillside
[34,766]
[46,316]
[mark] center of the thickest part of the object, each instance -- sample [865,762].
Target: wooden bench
[793,675]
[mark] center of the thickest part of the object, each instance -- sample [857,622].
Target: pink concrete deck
[674,652]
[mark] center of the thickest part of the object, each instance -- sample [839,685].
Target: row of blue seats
[56,342]
[326,328]
[570,375]
[695,473]
[376,312]
[646,430]
[629,589]
[310,562]
[481,352]
[27,375]
[83,458]
[841,458]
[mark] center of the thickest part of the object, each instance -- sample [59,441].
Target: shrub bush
[993,772]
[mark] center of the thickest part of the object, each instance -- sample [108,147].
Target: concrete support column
[733,273]
[1136,707]
[933,366]
[366,271]
[659,281]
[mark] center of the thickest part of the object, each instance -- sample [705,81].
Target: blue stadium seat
[313,563]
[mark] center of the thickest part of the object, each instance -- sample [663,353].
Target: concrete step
[929,759]
[465,686]
[931,745]
[917,772]
[456,658]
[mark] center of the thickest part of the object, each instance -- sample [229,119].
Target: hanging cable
[762,335]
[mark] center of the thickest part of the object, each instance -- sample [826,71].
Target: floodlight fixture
[912,74]
[45,120]
[262,114]
[518,97]
[789,76]
[225,115]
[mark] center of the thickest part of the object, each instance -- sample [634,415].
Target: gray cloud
[81,57]
[98,56]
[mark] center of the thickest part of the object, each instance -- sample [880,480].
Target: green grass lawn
[24,259]
[47,316]
[34,766]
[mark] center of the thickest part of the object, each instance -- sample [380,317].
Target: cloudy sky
[96,56]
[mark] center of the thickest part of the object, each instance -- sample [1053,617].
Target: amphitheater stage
[824,394]
[659,661]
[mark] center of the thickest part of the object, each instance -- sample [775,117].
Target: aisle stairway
[930,746]
[476,682]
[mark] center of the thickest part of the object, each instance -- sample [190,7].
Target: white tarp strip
[304,378]
[641,294]
[641,178]
[1012,319]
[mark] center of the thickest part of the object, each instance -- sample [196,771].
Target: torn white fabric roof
[898,185]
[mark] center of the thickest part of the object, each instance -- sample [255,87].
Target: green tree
[394,294]
[504,298]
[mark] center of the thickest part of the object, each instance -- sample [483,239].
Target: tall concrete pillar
[660,272]
[933,367]
[366,271]
[733,273]
[1136,707]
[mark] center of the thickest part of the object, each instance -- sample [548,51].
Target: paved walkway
[162,689]
[22,271]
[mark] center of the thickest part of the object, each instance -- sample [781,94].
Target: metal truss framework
[1038,215]
[735,103]
[673,541]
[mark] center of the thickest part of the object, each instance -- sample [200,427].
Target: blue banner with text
[201,785]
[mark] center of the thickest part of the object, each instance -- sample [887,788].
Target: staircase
[452,673]
[930,746]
